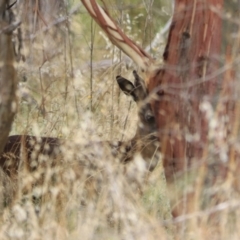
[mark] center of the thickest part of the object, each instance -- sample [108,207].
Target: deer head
[145,139]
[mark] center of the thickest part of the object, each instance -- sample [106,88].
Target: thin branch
[116,35]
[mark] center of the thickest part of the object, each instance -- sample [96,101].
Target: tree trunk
[186,85]
[8,101]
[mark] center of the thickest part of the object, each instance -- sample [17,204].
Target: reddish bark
[186,80]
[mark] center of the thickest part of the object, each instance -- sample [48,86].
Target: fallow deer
[144,141]
[31,149]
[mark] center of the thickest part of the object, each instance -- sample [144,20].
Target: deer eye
[149,118]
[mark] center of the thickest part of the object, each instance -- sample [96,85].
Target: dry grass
[88,197]
[83,105]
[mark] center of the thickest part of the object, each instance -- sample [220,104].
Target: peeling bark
[187,80]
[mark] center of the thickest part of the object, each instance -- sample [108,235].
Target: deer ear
[126,86]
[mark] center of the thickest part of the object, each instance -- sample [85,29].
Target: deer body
[26,147]
[30,149]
